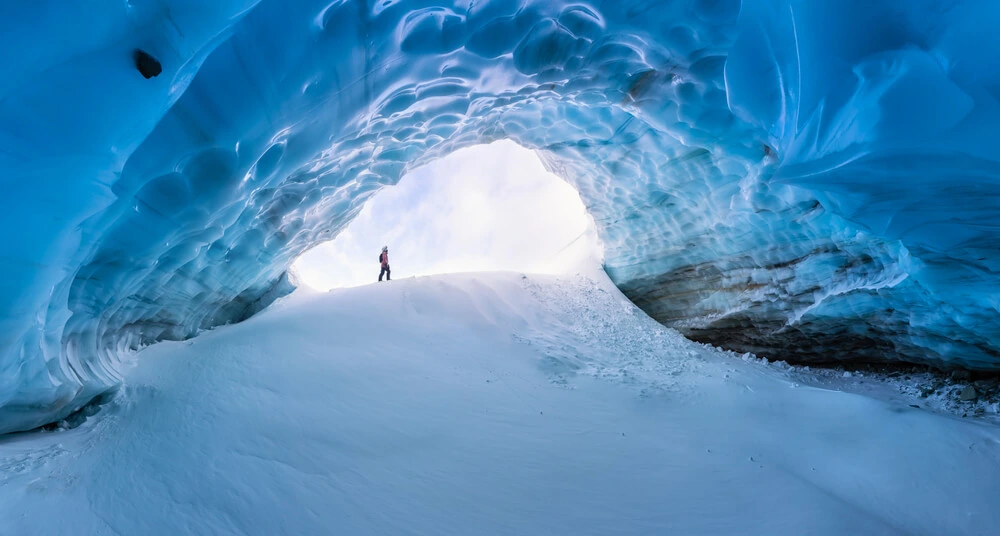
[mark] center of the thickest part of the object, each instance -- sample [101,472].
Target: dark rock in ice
[147,65]
[961,375]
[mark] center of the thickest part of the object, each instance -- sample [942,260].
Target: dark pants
[385,272]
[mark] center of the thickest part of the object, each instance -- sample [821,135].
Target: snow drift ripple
[811,180]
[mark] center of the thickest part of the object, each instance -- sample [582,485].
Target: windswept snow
[489,404]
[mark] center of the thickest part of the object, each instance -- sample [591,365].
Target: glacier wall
[807,180]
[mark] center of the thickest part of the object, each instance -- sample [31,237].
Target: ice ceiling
[804,179]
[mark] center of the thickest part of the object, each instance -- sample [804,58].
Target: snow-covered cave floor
[489,404]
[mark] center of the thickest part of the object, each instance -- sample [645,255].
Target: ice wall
[811,180]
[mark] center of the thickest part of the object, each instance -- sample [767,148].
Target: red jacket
[385,258]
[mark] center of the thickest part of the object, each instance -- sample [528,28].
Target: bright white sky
[484,208]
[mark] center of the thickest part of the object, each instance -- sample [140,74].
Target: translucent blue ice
[804,179]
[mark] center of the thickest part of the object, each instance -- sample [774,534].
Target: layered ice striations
[808,180]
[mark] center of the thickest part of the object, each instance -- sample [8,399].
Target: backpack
[380,258]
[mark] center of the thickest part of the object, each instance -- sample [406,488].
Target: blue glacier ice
[811,180]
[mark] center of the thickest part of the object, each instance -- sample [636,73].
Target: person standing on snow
[384,259]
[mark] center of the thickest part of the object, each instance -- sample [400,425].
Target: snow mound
[488,404]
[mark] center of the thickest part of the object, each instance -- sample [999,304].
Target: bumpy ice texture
[803,179]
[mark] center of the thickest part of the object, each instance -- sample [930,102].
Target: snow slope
[488,404]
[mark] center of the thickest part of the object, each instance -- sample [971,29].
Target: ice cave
[814,182]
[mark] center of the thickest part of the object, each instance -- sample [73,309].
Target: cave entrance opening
[482,208]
